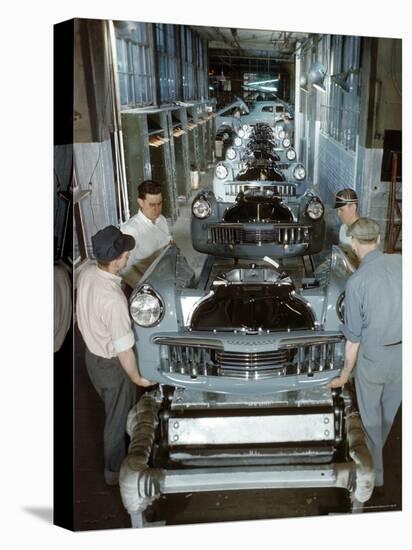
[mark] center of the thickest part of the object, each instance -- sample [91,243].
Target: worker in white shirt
[149,229]
[346,205]
[236,122]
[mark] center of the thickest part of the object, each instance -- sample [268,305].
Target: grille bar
[283,189]
[254,360]
[274,234]
[306,359]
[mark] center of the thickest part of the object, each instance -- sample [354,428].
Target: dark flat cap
[109,243]
[364,229]
[345,196]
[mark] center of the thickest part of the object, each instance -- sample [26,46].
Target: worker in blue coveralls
[373,331]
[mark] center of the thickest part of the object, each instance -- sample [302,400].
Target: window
[188,80]
[134,66]
[167,62]
[201,68]
[267,109]
[340,112]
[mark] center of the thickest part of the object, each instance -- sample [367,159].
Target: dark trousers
[119,395]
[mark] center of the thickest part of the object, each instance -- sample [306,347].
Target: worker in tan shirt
[104,322]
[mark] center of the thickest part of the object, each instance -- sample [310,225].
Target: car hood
[253,308]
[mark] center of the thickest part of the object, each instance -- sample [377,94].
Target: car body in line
[266,219]
[269,112]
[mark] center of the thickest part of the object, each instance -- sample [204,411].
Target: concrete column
[297,119]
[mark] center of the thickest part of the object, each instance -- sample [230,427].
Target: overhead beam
[247,58]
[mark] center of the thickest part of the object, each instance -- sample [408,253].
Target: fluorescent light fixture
[258,85]
[258,82]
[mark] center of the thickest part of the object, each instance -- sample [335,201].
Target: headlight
[340,307]
[286,143]
[238,141]
[221,170]
[230,155]
[282,134]
[146,307]
[291,154]
[299,173]
[315,208]
[201,208]
[241,133]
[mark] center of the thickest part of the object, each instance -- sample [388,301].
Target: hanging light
[316,76]
[343,79]
[303,83]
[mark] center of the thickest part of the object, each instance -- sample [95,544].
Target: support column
[297,119]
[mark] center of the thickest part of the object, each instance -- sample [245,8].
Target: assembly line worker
[236,122]
[373,331]
[346,205]
[149,229]
[104,322]
[288,127]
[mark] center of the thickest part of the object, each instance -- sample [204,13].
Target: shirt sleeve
[120,326]
[352,329]
[128,229]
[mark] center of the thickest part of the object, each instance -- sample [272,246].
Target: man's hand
[128,362]
[338,382]
[144,383]
[351,353]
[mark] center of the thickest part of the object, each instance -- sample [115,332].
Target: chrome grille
[229,359]
[285,361]
[283,189]
[280,234]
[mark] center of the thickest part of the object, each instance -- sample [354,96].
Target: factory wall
[331,164]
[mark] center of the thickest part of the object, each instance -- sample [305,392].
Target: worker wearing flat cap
[104,322]
[373,331]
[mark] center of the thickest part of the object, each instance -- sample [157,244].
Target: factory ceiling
[242,47]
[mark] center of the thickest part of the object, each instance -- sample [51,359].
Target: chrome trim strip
[194,342]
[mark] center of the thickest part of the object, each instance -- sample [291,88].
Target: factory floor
[98,506]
